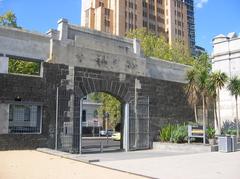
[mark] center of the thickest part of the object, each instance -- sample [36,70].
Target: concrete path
[193,166]
[37,165]
[117,156]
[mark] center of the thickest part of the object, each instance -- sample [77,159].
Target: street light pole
[80,127]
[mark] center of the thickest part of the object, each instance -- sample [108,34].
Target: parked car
[116,136]
[102,133]
[108,133]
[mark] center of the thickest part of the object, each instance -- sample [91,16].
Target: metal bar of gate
[80,127]
[56,125]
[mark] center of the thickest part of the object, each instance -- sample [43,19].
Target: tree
[24,67]
[157,46]
[111,105]
[192,90]
[234,88]
[9,19]
[217,81]
[198,76]
[212,96]
[180,53]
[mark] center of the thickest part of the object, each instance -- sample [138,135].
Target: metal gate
[139,134]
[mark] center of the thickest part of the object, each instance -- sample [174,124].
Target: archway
[102,123]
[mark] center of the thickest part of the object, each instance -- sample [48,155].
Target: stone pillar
[4,64]
[63,29]
[136,47]
[4,113]
[54,34]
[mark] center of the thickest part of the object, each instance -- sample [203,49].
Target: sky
[212,17]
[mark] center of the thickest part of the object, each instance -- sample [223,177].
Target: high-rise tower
[191,24]
[165,17]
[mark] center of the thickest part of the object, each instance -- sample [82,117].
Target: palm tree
[202,83]
[212,95]
[192,90]
[198,82]
[218,80]
[234,88]
[203,67]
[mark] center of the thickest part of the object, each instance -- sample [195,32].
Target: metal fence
[139,135]
[69,140]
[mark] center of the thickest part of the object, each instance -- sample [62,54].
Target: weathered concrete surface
[189,148]
[75,46]
[194,166]
[22,43]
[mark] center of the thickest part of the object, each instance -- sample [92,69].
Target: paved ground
[117,156]
[193,166]
[93,144]
[153,163]
[37,165]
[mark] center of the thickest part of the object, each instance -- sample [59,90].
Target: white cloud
[201,3]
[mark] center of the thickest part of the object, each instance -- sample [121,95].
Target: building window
[24,118]
[84,116]
[107,12]
[101,4]
[145,24]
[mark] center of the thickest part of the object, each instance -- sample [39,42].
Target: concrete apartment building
[166,17]
[226,58]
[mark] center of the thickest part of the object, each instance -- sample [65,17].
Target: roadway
[99,144]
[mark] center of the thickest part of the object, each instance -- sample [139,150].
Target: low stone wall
[185,148]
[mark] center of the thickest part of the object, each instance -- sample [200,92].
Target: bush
[179,134]
[166,133]
[229,128]
[210,132]
[174,133]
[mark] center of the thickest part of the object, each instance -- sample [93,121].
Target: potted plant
[211,135]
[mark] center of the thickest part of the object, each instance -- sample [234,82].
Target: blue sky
[212,17]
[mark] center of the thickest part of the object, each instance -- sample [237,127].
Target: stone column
[4,64]
[63,29]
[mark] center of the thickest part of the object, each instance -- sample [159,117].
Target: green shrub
[229,128]
[179,134]
[210,132]
[166,133]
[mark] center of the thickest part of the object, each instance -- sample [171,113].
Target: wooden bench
[196,132]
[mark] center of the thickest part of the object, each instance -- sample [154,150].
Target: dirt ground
[37,165]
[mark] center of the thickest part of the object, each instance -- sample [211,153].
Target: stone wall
[167,100]
[88,61]
[32,90]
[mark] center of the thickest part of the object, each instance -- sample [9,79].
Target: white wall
[226,58]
